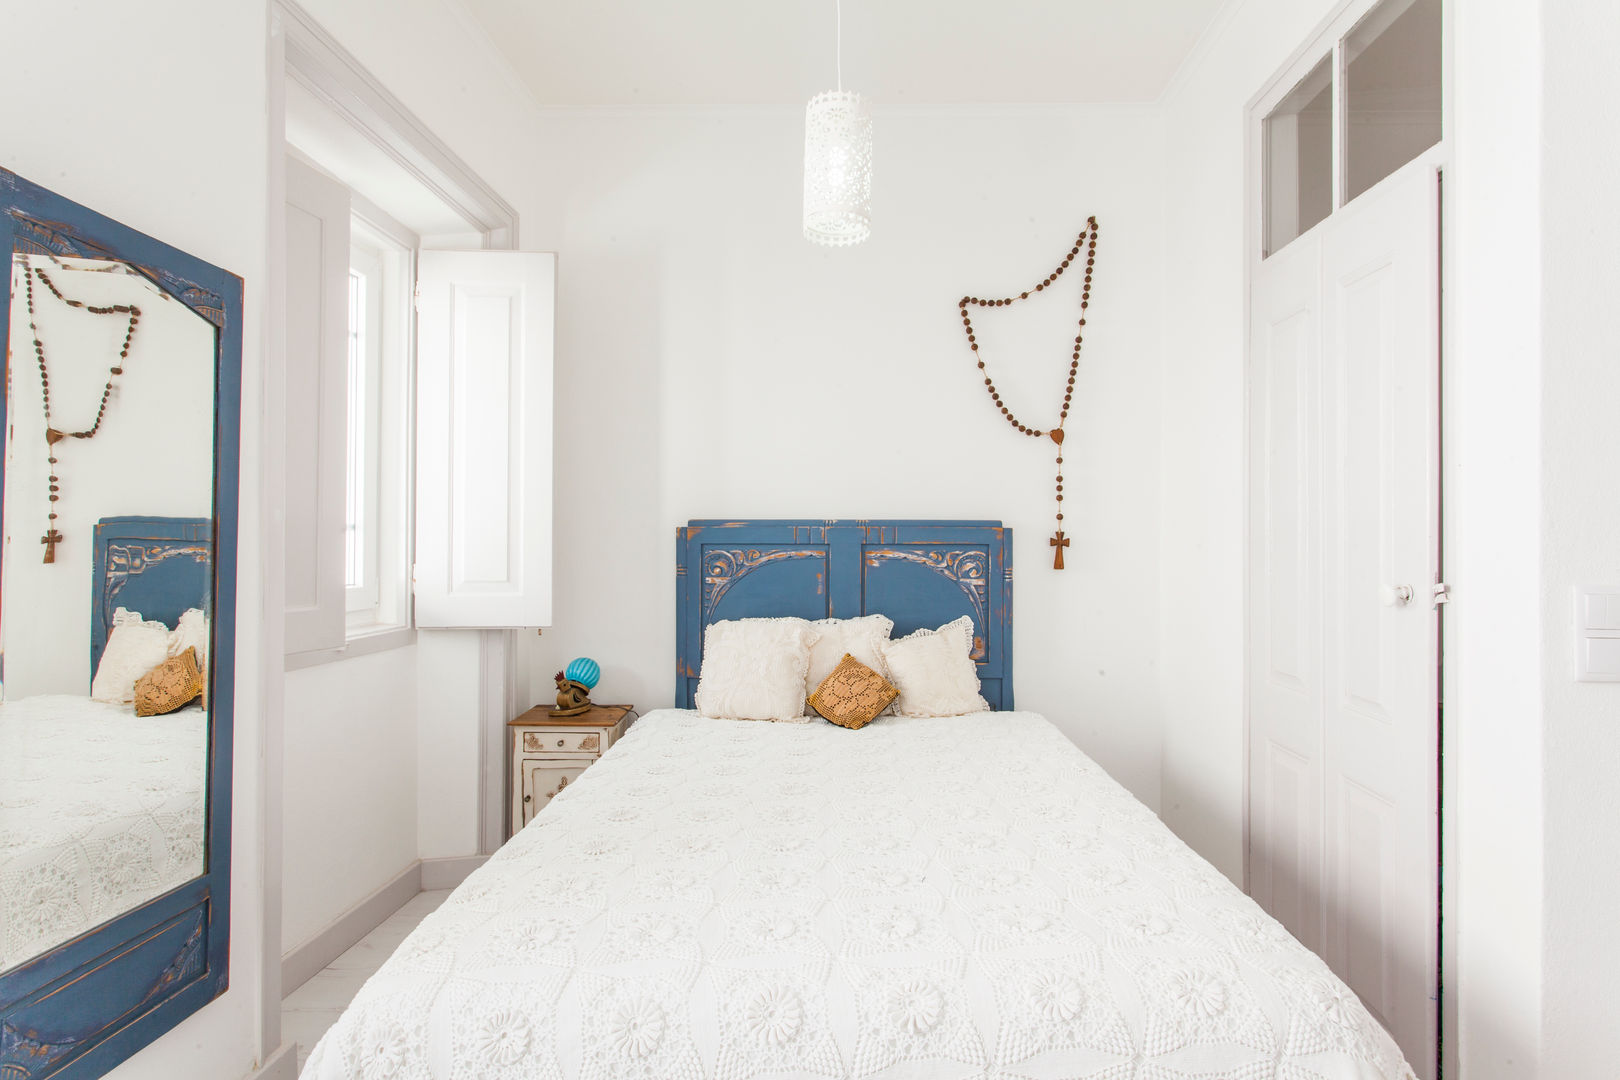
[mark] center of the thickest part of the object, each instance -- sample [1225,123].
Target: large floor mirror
[118,505]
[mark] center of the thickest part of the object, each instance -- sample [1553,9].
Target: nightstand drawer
[560,742]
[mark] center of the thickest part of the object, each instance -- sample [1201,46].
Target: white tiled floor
[308,1011]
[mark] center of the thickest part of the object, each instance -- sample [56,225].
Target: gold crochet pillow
[171,685]
[853,695]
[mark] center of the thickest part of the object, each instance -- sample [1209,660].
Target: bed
[929,897]
[100,811]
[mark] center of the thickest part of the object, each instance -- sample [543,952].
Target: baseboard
[448,873]
[299,964]
[280,1065]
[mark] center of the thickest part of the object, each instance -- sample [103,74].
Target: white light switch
[1597,633]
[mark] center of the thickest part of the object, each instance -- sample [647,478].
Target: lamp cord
[838,9]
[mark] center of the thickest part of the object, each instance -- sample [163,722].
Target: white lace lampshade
[837,169]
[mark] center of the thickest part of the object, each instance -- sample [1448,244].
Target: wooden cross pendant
[1059,542]
[50,540]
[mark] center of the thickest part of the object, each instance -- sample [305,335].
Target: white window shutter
[317,395]
[485,322]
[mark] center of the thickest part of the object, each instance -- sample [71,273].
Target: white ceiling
[748,52]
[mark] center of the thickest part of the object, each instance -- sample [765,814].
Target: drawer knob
[528,798]
[560,742]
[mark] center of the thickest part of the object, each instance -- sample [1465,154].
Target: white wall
[1493,785]
[351,775]
[713,363]
[1579,532]
[189,168]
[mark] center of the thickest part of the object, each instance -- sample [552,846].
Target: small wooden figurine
[574,687]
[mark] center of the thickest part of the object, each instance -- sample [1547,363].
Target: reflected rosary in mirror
[1087,241]
[54,435]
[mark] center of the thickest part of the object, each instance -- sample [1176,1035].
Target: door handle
[1396,595]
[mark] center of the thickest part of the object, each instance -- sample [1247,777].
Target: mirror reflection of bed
[105,598]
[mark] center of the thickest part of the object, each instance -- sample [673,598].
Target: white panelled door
[484,450]
[1285,637]
[1343,668]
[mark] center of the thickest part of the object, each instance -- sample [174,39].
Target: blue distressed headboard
[160,567]
[918,573]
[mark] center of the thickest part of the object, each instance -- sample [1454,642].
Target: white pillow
[934,671]
[754,669]
[863,638]
[191,632]
[134,647]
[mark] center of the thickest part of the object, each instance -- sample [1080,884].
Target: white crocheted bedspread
[924,898]
[100,811]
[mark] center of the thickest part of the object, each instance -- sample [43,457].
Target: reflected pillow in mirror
[935,672]
[134,647]
[191,632]
[171,685]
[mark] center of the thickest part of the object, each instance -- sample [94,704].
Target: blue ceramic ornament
[574,685]
[585,671]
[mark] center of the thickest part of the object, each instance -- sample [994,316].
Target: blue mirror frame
[83,1007]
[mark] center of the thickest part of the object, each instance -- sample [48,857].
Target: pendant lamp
[838,162]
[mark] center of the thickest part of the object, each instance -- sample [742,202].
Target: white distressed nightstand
[549,753]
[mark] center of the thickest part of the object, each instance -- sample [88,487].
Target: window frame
[1330,42]
[382,605]
[363,446]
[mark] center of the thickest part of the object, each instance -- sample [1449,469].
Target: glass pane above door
[1391,90]
[1298,133]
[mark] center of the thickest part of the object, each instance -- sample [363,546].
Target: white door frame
[1338,22]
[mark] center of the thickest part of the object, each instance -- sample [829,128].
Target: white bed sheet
[100,811]
[923,898]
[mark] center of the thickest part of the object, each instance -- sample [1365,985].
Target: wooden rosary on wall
[1088,240]
[53,436]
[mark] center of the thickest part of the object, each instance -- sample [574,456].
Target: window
[360,476]
[1299,157]
[1391,90]
[376,478]
[1366,108]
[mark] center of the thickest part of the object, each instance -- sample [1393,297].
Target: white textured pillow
[863,638]
[754,669]
[134,647]
[191,632]
[934,671]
